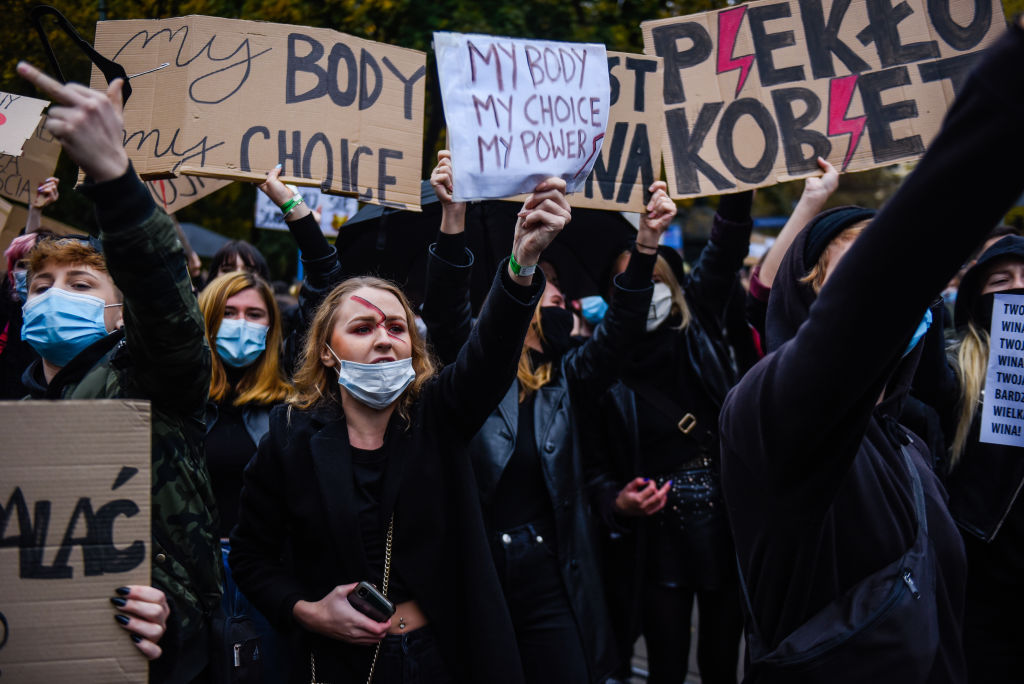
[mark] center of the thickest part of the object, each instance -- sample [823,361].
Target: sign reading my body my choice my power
[519,111]
[1002,414]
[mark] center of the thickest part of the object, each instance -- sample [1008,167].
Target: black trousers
[412,658]
[546,632]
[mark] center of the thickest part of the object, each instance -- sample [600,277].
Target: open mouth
[383,359]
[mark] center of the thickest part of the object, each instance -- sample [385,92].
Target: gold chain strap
[387,576]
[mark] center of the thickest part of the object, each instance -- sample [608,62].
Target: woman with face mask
[985,480]
[528,457]
[243,330]
[364,477]
[657,459]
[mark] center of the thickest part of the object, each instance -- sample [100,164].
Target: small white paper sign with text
[520,111]
[1002,414]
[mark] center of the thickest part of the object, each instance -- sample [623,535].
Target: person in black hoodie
[853,568]
[986,479]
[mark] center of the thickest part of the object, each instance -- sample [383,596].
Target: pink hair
[18,250]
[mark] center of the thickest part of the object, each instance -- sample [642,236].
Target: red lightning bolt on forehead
[383,317]
[840,92]
[728,26]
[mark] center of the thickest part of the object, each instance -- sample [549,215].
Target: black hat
[971,284]
[824,227]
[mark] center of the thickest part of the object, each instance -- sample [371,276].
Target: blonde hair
[316,384]
[972,364]
[532,379]
[816,276]
[263,381]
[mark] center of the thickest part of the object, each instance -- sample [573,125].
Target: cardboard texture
[754,93]
[520,110]
[19,116]
[20,176]
[630,158]
[174,194]
[14,219]
[340,112]
[90,461]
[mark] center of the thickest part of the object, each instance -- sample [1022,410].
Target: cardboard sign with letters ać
[75,525]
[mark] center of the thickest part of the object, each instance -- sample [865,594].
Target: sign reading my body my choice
[519,111]
[1002,414]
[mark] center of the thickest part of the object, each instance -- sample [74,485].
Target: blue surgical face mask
[593,309]
[377,385]
[59,324]
[240,342]
[922,328]
[21,285]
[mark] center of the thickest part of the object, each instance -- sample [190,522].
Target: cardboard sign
[334,211]
[630,158]
[75,525]
[1002,413]
[520,111]
[20,176]
[172,194]
[339,112]
[754,93]
[19,116]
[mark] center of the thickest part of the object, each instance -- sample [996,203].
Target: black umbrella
[393,244]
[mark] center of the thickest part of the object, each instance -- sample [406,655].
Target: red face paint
[383,317]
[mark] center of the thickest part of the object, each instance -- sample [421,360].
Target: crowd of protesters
[518,493]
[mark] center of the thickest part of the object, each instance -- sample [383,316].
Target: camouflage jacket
[161,356]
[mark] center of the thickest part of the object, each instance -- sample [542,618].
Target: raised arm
[45,195]
[447,310]
[710,285]
[833,371]
[470,388]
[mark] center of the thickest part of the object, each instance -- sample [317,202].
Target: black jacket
[584,370]
[817,492]
[298,538]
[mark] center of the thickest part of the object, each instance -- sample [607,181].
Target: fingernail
[136,638]
[123,591]
[647,479]
[119,602]
[279,166]
[670,482]
[122,619]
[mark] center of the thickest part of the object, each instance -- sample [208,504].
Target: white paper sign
[1002,414]
[520,111]
[334,210]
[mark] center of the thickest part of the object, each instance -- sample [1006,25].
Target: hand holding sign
[279,194]
[442,178]
[542,217]
[89,126]
[660,212]
[46,194]
[143,611]
[819,188]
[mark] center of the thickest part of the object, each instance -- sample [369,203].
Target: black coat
[586,370]
[818,492]
[298,536]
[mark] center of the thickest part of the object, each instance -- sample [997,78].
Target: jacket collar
[35,381]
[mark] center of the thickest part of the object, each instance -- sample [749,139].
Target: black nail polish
[123,619]
[118,601]
[123,591]
[136,638]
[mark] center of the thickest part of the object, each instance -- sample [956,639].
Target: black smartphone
[367,600]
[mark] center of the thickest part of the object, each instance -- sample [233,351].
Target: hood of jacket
[972,282]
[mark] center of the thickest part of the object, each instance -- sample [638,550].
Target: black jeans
[412,658]
[549,640]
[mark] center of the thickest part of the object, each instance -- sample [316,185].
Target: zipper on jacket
[908,578]
[238,655]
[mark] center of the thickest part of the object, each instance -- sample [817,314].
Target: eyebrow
[382,316]
[82,273]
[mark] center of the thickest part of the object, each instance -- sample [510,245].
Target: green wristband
[519,269]
[295,201]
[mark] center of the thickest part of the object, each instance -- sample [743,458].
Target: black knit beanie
[824,227]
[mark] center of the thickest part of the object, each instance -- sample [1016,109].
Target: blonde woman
[365,477]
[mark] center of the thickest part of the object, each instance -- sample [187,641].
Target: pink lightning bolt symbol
[728,26]
[839,96]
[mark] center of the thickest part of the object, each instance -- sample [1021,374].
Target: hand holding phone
[367,600]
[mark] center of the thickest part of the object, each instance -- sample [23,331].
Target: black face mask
[981,311]
[556,323]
